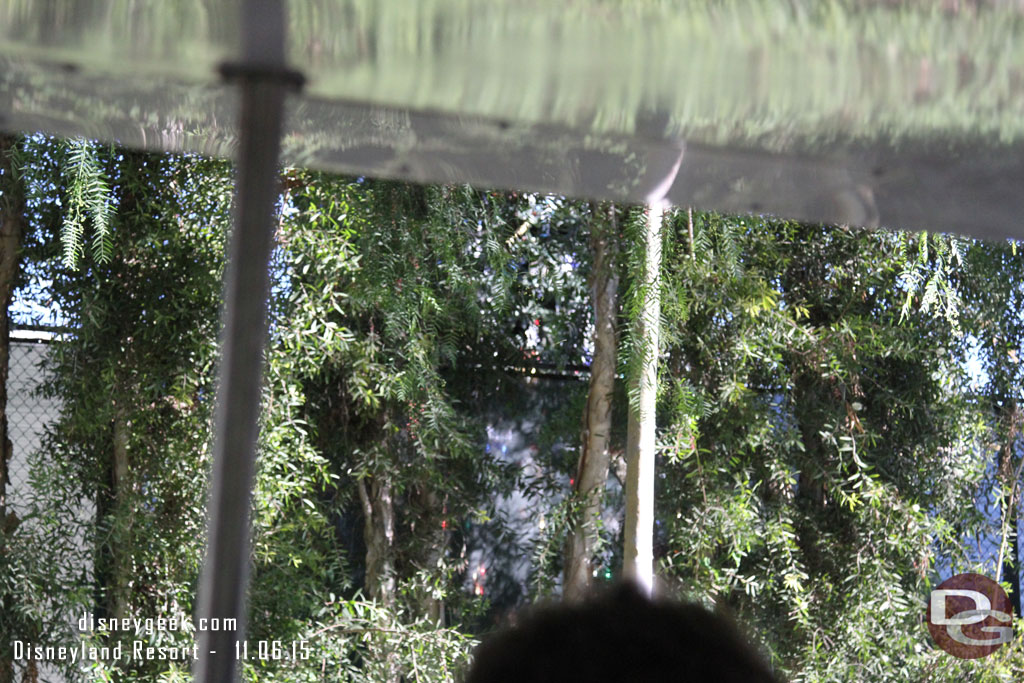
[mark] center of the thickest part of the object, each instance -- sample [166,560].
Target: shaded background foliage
[837,417]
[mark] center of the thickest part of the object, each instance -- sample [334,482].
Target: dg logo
[969,616]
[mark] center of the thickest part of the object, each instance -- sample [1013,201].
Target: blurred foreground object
[621,636]
[903,114]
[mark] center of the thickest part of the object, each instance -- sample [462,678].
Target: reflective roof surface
[904,114]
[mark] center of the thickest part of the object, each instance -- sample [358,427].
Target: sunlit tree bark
[592,471]
[379,536]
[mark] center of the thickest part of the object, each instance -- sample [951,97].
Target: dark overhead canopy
[901,113]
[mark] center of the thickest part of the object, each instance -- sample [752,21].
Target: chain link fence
[28,415]
[28,412]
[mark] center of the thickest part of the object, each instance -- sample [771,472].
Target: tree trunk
[1009,550]
[120,587]
[113,566]
[12,204]
[592,471]
[435,537]
[379,536]
[638,563]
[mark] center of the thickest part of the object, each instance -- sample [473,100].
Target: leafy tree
[817,448]
[134,379]
[379,303]
[820,447]
[989,280]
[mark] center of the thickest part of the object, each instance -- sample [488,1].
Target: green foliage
[821,445]
[378,303]
[928,273]
[635,348]
[818,444]
[359,641]
[88,196]
[124,467]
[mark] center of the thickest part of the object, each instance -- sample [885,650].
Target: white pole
[640,440]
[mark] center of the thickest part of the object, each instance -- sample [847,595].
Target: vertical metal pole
[224,580]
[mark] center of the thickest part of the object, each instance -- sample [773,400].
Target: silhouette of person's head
[621,637]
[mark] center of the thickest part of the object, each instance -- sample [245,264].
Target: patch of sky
[32,304]
[980,551]
[974,365]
